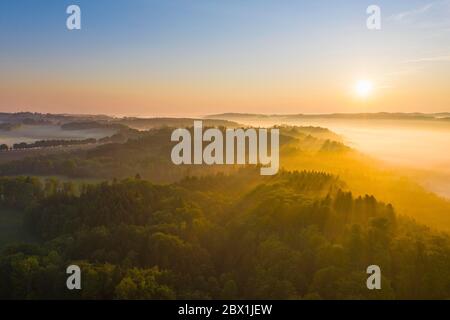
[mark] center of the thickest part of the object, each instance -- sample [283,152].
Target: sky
[198,57]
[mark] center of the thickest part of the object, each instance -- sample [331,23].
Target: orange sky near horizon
[228,57]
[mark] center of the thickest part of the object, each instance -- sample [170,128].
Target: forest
[140,227]
[148,153]
[52,143]
[298,235]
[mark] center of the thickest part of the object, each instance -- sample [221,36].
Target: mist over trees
[217,232]
[299,235]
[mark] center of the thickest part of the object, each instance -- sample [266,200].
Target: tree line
[298,235]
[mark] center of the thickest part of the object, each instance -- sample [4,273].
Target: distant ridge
[370,116]
[81,121]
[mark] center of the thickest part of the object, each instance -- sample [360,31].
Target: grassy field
[11,228]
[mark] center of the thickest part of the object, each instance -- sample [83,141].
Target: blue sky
[194,56]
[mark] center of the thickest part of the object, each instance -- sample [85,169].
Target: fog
[29,134]
[420,149]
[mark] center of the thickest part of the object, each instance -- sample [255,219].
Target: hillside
[302,148]
[298,235]
[348,116]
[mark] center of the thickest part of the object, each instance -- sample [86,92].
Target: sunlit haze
[363,88]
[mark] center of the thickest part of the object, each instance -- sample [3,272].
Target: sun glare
[363,88]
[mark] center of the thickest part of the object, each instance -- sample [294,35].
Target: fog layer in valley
[30,134]
[421,149]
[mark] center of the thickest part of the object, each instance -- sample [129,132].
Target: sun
[363,88]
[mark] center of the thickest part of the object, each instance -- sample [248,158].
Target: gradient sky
[193,57]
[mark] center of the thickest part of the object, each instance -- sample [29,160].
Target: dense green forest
[52,143]
[298,235]
[148,153]
[217,232]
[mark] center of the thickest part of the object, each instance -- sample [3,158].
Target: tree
[143,284]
